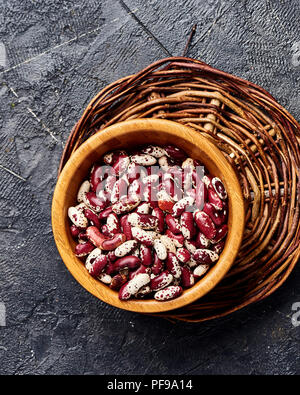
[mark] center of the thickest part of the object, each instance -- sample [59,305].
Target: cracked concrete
[54,57]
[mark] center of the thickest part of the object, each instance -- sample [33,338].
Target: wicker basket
[258,137]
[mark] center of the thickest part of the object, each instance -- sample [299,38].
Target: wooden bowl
[129,134]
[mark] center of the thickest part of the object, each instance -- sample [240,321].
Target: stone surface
[54,57]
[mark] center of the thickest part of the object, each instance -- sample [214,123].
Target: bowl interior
[130,134]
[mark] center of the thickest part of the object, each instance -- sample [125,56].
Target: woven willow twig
[257,136]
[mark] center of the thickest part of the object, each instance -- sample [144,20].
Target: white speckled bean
[105,278]
[143,208]
[189,162]
[160,249]
[171,292]
[189,246]
[192,263]
[85,187]
[143,160]
[164,163]
[154,150]
[91,257]
[77,217]
[139,281]
[146,237]
[125,248]
[125,205]
[168,243]
[180,206]
[200,270]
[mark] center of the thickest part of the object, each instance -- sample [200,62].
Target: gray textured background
[54,57]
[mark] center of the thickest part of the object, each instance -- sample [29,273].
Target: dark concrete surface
[55,56]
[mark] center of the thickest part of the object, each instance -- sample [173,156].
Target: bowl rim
[101,290]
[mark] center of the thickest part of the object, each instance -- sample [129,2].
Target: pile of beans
[149,222]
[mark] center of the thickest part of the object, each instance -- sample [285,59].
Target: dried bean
[187,278]
[183,255]
[160,249]
[173,266]
[125,248]
[205,256]
[200,270]
[127,262]
[171,292]
[83,249]
[205,224]
[161,281]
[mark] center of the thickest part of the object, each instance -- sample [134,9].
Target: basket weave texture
[258,137]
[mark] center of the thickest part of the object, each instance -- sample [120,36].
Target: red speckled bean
[105,213]
[125,205]
[146,255]
[92,217]
[205,256]
[187,225]
[144,221]
[175,153]
[119,190]
[157,266]
[97,266]
[165,202]
[95,203]
[200,270]
[183,255]
[201,194]
[162,280]
[178,239]
[218,216]
[95,236]
[83,249]
[154,150]
[141,269]
[214,199]
[113,225]
[205,224]
[123,293]
[190,245]
[173,266]
[117,281]
[221,233]
[75,231]
[173,223]
[187,278]
[146,237]
[126,227]
[111,157]
[105,231]
[121,164]
[114,242]
[202,241]
[219,188]
[126,248]
[127,262]
[143,208]
[159,214]
[180,206]
[111,256]
[98,173]
[218,247]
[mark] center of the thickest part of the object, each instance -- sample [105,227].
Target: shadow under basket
[258,137]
